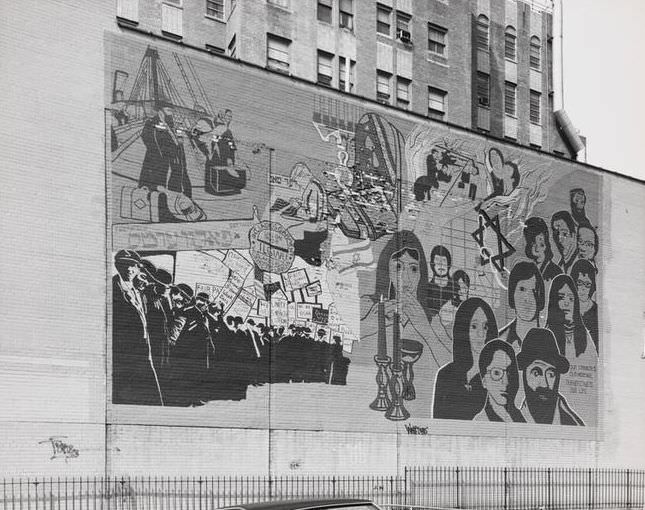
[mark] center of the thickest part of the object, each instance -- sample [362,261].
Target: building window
[436,103]
[383,87]
[345,78]
[403,26]
[383,20]
[324,11]
[215,9]
[403,93]
[510,43]
[172,18]
[346,14]
[278,53]
[280,3]
[128,9]
[535,49]
[232,47]
[510,99]
[325,70]
[481,36]
[437,39]
[483,89]
[535,107]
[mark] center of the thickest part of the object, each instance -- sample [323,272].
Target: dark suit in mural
[542,365]
[458,392]
[134,374]
[583,274]
[164,165]
[441,288]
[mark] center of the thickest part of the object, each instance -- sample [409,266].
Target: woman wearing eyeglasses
[500,379]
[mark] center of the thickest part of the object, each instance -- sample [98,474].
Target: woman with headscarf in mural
[459,393]
[500,378]
[400,290]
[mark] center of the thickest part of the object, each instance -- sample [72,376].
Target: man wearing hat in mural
[164,164]
[192,350]
[542,365]
[134,375]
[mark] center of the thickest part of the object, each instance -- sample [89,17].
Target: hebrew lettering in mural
[386,269]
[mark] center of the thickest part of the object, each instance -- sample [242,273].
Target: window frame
[212,16]
[383,75]
[406,19]
[510,86]
[510,37]
[436,96]
[329,65]
[278,39]
[533,119]
[345,17]
[482,30]
[326,6]
[535,53]
[380,8]
[400,80]
[481,76]
[342,72]
[443,45]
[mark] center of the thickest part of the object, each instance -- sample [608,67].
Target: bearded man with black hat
[134,376]
[542,365]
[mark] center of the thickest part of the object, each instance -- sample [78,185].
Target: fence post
[629,491]
[590,501]
[458,487]
[405,485]
[505,488]
[548,487]
[333,485]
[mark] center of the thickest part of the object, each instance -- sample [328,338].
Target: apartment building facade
[487,65]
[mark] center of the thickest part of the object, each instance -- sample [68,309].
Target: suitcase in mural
[135,203]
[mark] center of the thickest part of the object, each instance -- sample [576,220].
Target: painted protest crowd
[174,348]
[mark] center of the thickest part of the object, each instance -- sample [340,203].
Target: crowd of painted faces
[483,380]
[171,347]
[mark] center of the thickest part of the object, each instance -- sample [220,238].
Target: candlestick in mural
[382,402]
[397,410]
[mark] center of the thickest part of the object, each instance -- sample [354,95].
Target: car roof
[301,504]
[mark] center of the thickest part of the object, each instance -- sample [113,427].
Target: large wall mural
[311,249]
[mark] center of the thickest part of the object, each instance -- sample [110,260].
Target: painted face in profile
[478,331]
[405,274]
[538,249]
[566,303]
[524,298]
[586,243]
[495,381]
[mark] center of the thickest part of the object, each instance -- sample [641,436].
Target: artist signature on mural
[60,449]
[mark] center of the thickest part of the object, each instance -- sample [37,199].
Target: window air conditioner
[403,36]
[483,101]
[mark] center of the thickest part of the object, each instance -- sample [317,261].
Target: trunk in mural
[312,250]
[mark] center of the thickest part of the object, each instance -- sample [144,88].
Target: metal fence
[418,488]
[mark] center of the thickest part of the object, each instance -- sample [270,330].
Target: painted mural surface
[308,249]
